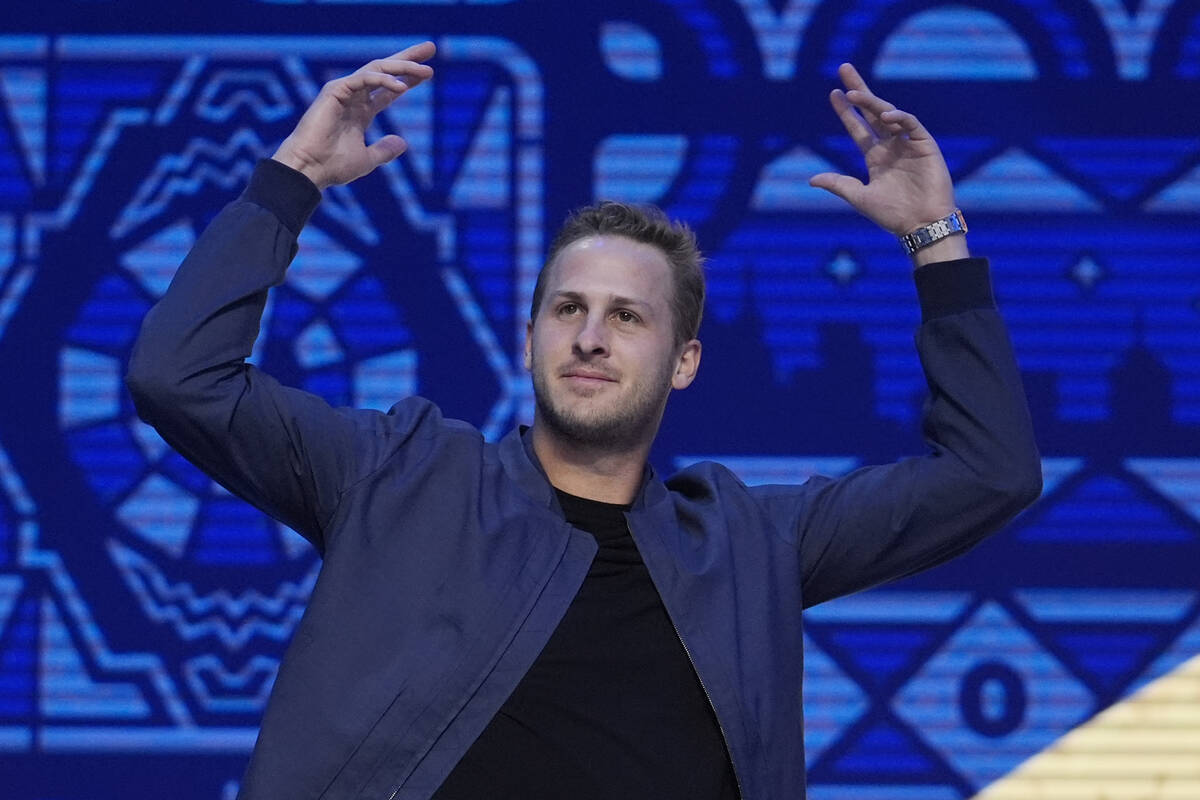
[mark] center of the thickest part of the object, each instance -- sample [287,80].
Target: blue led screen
[143,610]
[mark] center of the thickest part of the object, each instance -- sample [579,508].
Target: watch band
[928,234]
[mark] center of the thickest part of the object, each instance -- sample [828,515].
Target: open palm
[908,184]
[329,144]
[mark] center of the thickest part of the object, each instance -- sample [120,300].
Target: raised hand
[908,184]
[329,144]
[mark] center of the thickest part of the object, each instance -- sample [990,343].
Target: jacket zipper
[732,766]
[707,696]
[400,785]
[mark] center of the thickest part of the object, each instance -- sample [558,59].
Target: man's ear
[687,365]
[529,345]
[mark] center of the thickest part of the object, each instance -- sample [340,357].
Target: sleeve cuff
[283,191]
[951,287]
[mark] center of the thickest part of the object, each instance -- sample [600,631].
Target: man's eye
[626,316]
[568,308]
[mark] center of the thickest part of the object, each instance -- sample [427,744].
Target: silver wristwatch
[928,234]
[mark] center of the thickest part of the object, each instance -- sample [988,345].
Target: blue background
[143,610]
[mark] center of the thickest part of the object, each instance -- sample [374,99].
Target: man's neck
[596,473]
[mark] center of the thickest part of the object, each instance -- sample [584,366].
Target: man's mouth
[589,375]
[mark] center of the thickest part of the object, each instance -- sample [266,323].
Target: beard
[623,424]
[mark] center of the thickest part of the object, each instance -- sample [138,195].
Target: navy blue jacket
[447,562]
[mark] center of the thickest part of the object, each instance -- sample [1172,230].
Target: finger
[872,109]
[411,72]
[907,123]
[422,51]
[417,53]
[382,98]
[851,78]
[852,121]
[844,186]
[868,103]
[370,82]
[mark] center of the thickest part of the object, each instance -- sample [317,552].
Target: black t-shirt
[612,707]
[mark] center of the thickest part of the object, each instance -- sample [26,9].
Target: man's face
[602,347]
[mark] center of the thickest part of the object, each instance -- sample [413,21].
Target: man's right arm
[284,450]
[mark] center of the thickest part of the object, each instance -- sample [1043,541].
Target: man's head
[607,339]
[648,225]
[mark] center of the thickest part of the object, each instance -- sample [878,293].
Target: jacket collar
[522,466]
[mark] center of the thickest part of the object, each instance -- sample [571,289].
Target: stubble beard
[621,427]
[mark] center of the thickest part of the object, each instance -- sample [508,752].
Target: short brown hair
[648,225]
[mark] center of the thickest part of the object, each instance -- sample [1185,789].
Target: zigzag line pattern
[234,620]
[201,164]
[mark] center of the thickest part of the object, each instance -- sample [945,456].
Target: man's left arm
[881,523]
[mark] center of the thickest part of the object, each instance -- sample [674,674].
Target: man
[544,617]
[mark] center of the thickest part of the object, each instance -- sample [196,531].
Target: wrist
[309,169]
[944,236]
[947,249]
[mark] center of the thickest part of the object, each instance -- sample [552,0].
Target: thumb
[386,149]
[843,186]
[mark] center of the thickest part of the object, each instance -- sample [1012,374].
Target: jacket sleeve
[982,468]
[286,451]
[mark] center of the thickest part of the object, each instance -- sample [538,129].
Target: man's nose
[592,337]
